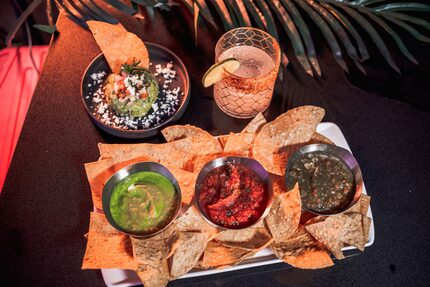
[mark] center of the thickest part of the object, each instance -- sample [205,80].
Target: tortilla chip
[352,233]
[255,237]
[191,221]
[186,181]
[118,45]
[366,228]
[107,247]
[190,248]
[310,259]
[222,139]
[166,153]
[278,184]
[239,144]
[154,276]
[302,250]
[151,251]
[329,233]
[298,241]
[319,138]
[177,153]
[296,126]
[177,132]
[255,125]
[284,216]
[217,255]
[316,219]
[362,205]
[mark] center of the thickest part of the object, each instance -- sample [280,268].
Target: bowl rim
[345,156]
[140,132]
[221,161]
[149,166]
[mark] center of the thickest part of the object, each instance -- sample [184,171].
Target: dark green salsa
[143,202]
[326,183]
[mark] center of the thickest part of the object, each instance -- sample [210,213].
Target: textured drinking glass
[248,90]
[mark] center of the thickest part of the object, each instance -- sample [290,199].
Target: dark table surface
[46,200]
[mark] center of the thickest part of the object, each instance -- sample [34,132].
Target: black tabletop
[46,200]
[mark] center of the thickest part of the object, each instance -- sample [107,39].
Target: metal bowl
[345,156]
[158,55]
[132,169]
[248,162]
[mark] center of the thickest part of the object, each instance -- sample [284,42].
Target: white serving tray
[124,278]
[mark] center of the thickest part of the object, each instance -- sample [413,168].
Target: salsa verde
[326,183]
[143,202]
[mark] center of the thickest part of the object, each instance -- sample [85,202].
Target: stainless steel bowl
[129,170]
[248,162]
[338,152]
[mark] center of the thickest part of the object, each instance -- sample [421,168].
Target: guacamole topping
[143,202]
[133,91]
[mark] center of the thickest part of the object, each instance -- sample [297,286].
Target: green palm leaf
[270,21]
[240,12]
[121,6]
[390,31]
[407,18]
[293,35]
[205,12]
[403,6]
[351,29]
[374,35]
[331,39]
[75,17]
[339,21]
[224,14]
[340,32]
[410,29]
[255,14]
[304,32]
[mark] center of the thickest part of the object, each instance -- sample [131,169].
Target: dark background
[45,203]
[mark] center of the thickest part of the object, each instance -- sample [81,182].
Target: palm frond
[338,20]
[223,12]
[293,35]
[304,32]
[340,32]
[270,21]
[350,28]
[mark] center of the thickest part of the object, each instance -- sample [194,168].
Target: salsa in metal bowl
[233,196]
[141,199]
[327,177]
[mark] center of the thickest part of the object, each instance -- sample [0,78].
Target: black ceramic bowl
[158,55]
[345,156]
[131,169]
[248,162]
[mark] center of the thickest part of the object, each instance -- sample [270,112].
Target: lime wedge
[216,72]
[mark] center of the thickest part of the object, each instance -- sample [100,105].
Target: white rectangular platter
[124,278]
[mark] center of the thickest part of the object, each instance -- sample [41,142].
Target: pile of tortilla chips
[190,242]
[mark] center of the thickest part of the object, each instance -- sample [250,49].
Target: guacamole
[132,92]
[143,202]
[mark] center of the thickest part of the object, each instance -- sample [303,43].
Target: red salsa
[233,196]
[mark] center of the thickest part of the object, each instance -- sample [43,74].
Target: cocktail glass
[248,90]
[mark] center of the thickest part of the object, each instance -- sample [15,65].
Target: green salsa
[143,202]
[326,183]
